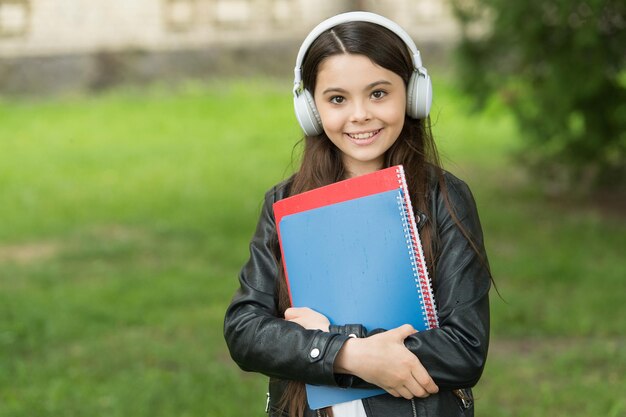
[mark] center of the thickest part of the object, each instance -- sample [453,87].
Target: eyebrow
[367,87]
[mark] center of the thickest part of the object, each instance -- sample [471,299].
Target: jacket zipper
[466,400]
[267,403]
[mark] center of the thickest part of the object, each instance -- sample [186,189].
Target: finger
[405,392]
[393,392]
[404,331]
[290,313]
[425,382]
[416,389]
[432,388]
[294,312]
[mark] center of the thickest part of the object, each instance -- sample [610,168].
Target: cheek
[395,113]
[332,120]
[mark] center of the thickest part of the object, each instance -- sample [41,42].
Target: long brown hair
[321,162]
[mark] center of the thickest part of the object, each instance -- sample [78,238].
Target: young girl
[362,99]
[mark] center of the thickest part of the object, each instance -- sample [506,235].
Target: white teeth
[362,135]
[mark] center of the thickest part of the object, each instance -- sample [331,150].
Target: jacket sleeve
[455,353]
[255,333]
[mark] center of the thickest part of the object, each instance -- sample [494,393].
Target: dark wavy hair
[321,163]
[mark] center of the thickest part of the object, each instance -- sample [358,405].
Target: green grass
[126,217]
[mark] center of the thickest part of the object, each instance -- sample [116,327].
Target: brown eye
[378,94]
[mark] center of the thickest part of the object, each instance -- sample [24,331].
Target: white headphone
[419,90]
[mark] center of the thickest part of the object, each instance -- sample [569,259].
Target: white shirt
[349,409]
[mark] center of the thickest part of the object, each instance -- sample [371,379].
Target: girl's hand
[307,318]
[383,360]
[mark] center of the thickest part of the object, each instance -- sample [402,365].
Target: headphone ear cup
[419,95]
[307,114]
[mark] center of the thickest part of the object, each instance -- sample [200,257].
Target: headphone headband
[353,17]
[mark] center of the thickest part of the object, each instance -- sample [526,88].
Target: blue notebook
[357,261]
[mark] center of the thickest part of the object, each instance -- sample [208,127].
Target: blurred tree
[560,65]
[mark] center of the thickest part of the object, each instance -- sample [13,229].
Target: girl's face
[362,107]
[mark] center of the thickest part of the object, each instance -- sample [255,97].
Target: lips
[363,138]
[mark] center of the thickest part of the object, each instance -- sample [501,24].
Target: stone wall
[58,45]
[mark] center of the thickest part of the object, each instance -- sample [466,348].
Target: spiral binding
[416,252]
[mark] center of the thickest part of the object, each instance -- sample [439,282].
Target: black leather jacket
[454,354]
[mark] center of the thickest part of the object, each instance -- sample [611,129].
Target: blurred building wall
[56,45]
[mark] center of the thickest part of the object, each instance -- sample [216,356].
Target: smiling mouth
[364,135]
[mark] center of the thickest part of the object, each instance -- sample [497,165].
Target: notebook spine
[416,251]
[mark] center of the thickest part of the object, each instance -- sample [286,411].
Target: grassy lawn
[126,217]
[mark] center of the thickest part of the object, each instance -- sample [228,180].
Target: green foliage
[561,66]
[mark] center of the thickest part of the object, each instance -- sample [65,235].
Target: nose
[360,112]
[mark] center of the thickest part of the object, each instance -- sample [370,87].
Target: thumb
[290,313]
[404,331]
